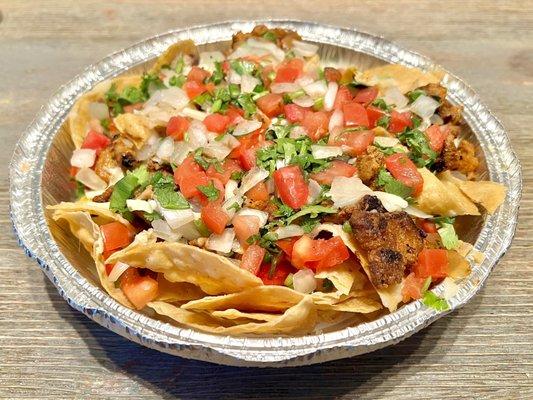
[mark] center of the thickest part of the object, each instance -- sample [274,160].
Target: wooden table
[483,351]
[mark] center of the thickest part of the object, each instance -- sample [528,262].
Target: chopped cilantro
[80,190]
[415,94]
[180,64]
[152,216]
[177,80]
[237,175]
[203,99]
[122,191]
[380,103]
[202,229]
[235,206]
[131,95]
[312,211]
[346,227]
[283,211]
[142,175]
[247,104]
[211,192]
[205,163]
[418,144]
[416,121]
[218,75]
[105,124]
[393,186]
[151,83]
[234,91]
[383,121]
[166,194]
[308,224]
[431,300]
[278,131]
[270,36]
[242,67]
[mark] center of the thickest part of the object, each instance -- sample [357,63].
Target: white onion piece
[436,119]
[83,158]
[314,191]
[194,114]
[345,191]
[385,141]
[177,218]
[139,205]
[393,95]
[237,247]
[281,163]
[197,134]
[230,189]
[322,152]
[292,230]
[115,175]
[252,212]
[457,141]
[149,149]
[172,96]
[98,111]
[415,212]
[166,148]
[228,204]
[252,178]
[316,89]
[271,187]
[220,149]
[268,46]
[245,127]
[304,281]
[207,59]
[181,151]
[450,288]
[424,106]
[189,230]
[304,49]
[331,94]
[90,179]
[391,202]
[248,83]
[336,120]
[91,194]
[222,243]
[297,132]
[426,123]
[233,77]
[284,87]
[304,101]
[163,231]
[304,80]
[118,269]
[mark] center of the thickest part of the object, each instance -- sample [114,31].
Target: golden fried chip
[134,127]
[233,314]
[405,78]
[459,267]
[182,48]
[177,291]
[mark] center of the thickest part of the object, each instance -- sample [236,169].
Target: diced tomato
[115,235]
[337,168]
[217,122]
[193,89]
[428,226]
[177,126]
[214,218]
[332,74]
[399,121]
[357,142]
[229,166]
[404,170]
[373,114]
[318,254]
[198,75]
[189,184]
[253,258]
[343,96]
[412,287]
[73,171]
[283,268]
[187,168]
[95,141]
[204,200]
[437,135]
[234,114]
[245,226]
[316,124]
[225,67]
[139,290]
[291,186]
[109,268]
[289,71]
[286,245]
[366,96]
[432,262]
[258,193]
[271,104]
[246,151]
[354,114]
[294,113]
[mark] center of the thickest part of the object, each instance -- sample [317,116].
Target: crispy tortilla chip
[185,48]
[490,195]
[100,211]
[469,252]
[405,78]
[134,127]
[299,319]
[363,305]
[343,276]
[268,298]
[177,291]
[459,267]
[237,315]
[214,274]
[80,116]
[443,197]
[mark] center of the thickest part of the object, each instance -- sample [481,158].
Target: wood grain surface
[483,351]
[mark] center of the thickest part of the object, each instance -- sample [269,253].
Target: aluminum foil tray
[39,177]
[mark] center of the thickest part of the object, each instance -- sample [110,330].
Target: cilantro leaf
[166,194]
[393,186]
[122,191]
[415,94]
[152,216]
[270,36]
[211,192]
[418,144]
[247,104]
[383,121]
[242,67]
[80,190]
[431,300]
[142,175]
[217,75]
[202,229]
[177,80]
[380,103]
[312,211]
[150,83]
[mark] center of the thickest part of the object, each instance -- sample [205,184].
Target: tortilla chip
[459,267]
[443,197]
[490,195]
[177,291]
[363,305]
[405,78]
[469,252]
[269,298]
[80,117]
[343,275]
[185,47]
[135,128]
[299,319]
[99,211]
[214,274]
[236,315]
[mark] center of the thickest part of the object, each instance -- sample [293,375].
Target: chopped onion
[284,87]
[261,215]
[194,114]
[90,179]
[304,281]
[268,46]
[391,202]
[336,120]
[297,132]
[233,77]
[220,149]
[385,141]
[227,206]
[189,230]
[248,83]
[415,212]
[115,175]
[181,151]
[83,158]
[281,163]
[166,148]
[252,178]
[177,218]
[230,189]
[163,231]
[304,49]
[450,288]
[271,187]
[393,96]
[322,152]
[91,194]
[222,243]
[457,141]
[245,127]
[118,269]
[436,119]
[345,191]
[197,135]
[207,59]
[424,106]
[304,80]
[289,231]
[149,149]
[331,94]
[139,205]
[314,191]
[304,101]
[98,111]
[172,96]
[237,247]
[316,89]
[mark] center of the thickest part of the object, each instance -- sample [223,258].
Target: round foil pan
[39,177]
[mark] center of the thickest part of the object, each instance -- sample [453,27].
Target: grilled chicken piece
[369,164]
[462,158]
[104,162]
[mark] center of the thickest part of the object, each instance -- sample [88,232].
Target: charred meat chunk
[460,158]
[283,38]
[369,164]
[104,197]
[450,113]
[435,90]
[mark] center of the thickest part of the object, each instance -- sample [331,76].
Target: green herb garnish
[393,186]
[210,191]
[431,300]
[418,144]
